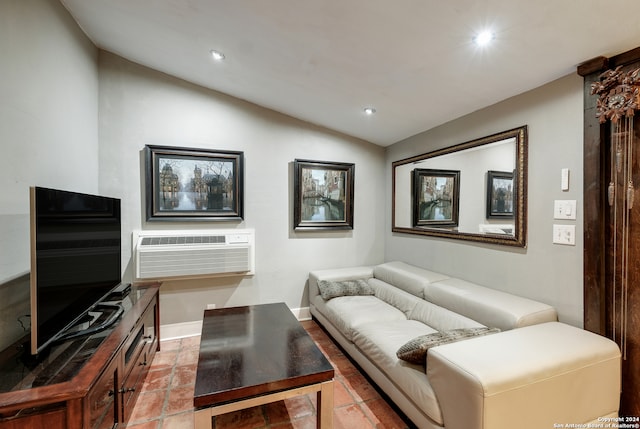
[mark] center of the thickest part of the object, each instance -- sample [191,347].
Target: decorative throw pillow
[415,350]
[331,289]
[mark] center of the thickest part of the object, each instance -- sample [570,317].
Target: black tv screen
[75,258]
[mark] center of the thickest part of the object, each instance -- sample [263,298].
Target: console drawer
[103,401]
[36,418]
[137,357]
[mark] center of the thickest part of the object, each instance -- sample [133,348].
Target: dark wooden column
[594,203]
[600,315]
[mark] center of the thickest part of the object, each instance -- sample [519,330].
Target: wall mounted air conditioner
[160,255]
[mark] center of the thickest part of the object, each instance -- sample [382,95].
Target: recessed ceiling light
[484,38]
[219,56]
[369,111]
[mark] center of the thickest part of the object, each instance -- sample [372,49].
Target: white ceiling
[323,61]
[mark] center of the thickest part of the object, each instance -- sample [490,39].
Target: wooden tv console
[90,382]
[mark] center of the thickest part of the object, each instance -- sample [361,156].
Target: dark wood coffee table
[254,355]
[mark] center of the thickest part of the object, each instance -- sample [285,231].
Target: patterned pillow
[415,350]
[331,289]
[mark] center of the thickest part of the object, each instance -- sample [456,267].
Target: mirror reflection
[472,191]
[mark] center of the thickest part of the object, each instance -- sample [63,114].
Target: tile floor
[166,399]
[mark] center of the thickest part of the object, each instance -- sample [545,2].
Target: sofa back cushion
[398,298]
[439,318]
[490,307]
[406,277]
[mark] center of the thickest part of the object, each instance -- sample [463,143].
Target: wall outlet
[211,306]
[564,234]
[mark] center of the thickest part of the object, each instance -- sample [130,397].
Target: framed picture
[323,195]
[436,196]
[188,184]
[500,193]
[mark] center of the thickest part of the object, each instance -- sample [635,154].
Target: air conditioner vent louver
[189,239]
[189,254]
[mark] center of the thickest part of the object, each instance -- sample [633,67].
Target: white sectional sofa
[535,373]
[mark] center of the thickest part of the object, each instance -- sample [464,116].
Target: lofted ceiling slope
[325,61]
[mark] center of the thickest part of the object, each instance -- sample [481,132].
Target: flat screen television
[75,259]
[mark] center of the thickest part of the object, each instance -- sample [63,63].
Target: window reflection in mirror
[491,193]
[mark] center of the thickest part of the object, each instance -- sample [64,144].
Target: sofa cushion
[398,298]
[415,350]
[348,312]
[488,306]
[440,318]
[406,277]
[333,289]
[379,342]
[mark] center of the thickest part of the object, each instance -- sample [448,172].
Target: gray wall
[48,129]
[71,120]
[140,106]
[543,271]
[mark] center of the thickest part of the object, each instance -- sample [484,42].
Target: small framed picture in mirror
[436,196]
[500,193]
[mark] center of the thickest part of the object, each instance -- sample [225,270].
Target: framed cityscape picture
[436,196]
[500,193]
[188,184]
[323,195]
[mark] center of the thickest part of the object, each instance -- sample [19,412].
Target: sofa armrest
[530,377]
[337,274]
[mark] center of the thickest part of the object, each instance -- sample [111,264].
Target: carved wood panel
[610,307]
[622,281]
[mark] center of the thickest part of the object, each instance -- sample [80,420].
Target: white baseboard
[174,331]
[180,330]
[301,313]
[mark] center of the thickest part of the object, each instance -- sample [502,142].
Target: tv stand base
[117,311]
[120,292]
[92,388]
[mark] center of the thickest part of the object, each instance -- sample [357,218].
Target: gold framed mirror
[489,199]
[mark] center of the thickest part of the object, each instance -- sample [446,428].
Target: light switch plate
[564,209]
[564,234]
[564,179]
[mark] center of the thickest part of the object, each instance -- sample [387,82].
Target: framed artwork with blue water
[187,184]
